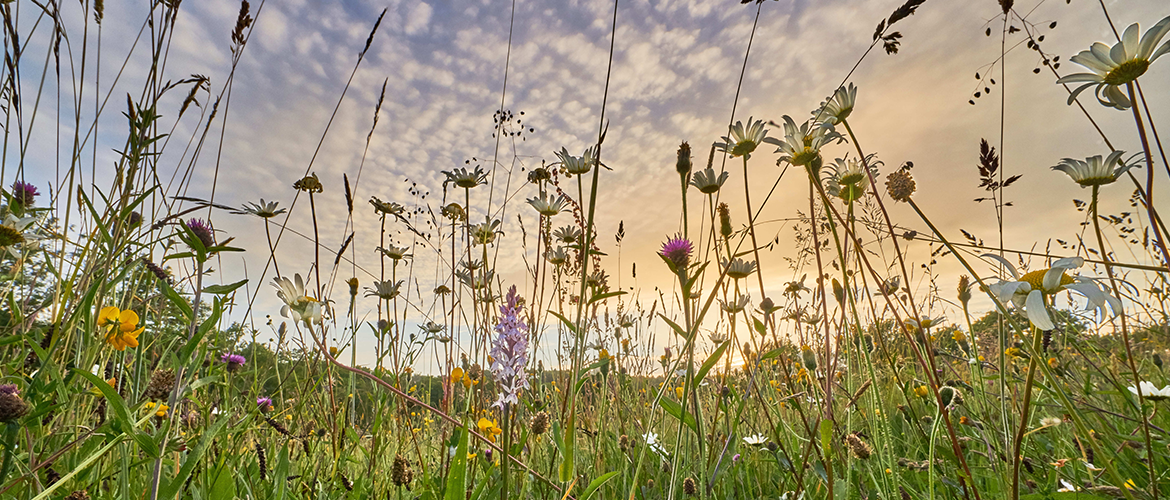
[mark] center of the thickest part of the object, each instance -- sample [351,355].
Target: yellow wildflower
[121,327]
[489,428]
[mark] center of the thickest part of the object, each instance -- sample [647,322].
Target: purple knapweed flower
[510,350]
[203,231]
[678,251]
[24,193]
[9,389]
[265,404]
[735,458]
[234,361]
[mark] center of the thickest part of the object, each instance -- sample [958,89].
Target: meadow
[131,367]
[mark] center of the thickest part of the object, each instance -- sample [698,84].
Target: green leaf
[456,478]
[121,412]
[194,456]
[603,296]
[711,360]
[281,471]
[568,467]
[225,484]
[759,325]
[675,410]
[224,289]
[146,441]
[176,299]
[568,324]
[596,483]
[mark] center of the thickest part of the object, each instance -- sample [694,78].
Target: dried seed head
[11,406]
[860,448]
[624,442]
[539,423]
[310,184]
[689,486]
[162,382]
[78,495]
[900,185]
[400,471]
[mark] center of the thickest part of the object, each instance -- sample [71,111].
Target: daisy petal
[1037,312]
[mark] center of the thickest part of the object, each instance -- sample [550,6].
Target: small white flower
[1120,65]
[1051,421]
[548,206]
[802,144]
[1151,391]
[743,140]
[736,305]
[297,304]
[1093,171]
[755,440]
[838,107]
[1028,291]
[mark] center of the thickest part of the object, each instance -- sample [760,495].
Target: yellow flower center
[1036,279]
[1127,71]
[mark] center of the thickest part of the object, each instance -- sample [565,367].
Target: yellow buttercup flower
[121,327]
[489,428]
[921,391]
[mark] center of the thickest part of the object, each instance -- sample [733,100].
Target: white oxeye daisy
[837,108]
[548,206]
[1120,65]
[1151,391]
[264,210]
[707,181]
[395,253]
[1029,290]
[735,306]
[461,177]
[568,234]
[557,257]
[485,233]
[802,144]
[385,290]
[743,140]
[848,180]
[739,268]
[577,165]
[1093,171]
[755,440]
[297,304]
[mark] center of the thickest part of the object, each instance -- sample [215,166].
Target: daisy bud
[724,220]
[689,486]
[683,165]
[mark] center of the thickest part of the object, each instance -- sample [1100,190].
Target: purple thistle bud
[264,404]
[234,361]
[9,389]
[510,350]
[678,251]
[487,454]
[203,231]
[24,193]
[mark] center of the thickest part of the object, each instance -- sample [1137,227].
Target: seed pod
[539,423]
[263,462]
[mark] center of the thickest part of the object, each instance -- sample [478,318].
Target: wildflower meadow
[484,330]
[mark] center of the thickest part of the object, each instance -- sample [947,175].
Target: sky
[675,74]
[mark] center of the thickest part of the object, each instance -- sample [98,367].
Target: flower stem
[1094,210]
[1137,118]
